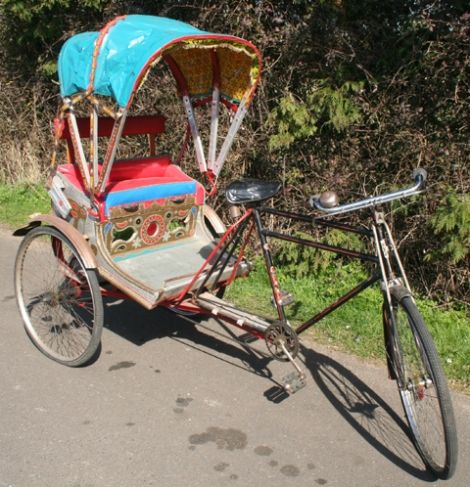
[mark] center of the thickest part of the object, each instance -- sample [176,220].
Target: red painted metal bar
[135,125]
[241,254]
[226,235]
[113,293]
[178,75]
[233,242]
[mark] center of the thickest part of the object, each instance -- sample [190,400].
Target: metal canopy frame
[210,163]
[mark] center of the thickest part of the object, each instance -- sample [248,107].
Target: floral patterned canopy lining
[114,61]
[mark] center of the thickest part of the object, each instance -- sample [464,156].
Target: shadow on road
[366,412]
[138,325]
[357,403]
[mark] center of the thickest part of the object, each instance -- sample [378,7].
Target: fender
[400,292]
[214,220]
[75,237]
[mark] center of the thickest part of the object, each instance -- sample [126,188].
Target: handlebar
[328,202]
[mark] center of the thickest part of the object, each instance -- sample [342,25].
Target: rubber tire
[402,299]
[95,337]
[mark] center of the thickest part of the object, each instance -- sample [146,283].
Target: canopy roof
[114,61]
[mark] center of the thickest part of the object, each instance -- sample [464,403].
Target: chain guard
[278,333]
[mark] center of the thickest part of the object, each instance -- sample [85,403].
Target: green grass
[357,325]
[18,201]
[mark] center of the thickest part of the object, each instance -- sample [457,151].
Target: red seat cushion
[134,181]
[144,168]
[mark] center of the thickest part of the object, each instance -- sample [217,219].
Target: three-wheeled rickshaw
[142,228]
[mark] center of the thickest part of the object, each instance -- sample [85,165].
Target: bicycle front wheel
[59,300]
[422,385]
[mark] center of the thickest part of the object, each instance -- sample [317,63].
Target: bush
[355,96]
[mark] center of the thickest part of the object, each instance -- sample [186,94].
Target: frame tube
[319,221]
[343,299]
[270,266]
[78,147]
[318,245]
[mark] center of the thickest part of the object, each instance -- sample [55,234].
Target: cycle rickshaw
[142,228]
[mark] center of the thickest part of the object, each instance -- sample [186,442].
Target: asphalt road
[171,403]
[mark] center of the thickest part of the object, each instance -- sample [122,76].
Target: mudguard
[75,237]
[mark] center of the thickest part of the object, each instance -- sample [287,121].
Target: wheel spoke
[60,301]
[422,386]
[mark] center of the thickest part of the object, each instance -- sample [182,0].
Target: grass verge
[354,327]
[357,325]
[18,201]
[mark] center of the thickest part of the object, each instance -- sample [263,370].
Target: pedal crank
[280,337]
[283,344]
[296,380]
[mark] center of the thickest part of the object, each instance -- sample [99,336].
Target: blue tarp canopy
[112,62]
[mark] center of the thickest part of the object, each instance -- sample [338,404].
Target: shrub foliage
[355,95]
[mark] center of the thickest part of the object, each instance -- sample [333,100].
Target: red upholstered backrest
[136,173]
[137,125]
[150,125]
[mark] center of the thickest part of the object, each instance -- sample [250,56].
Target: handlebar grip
[420,175]
[313,199]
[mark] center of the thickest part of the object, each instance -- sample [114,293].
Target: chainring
[278,333]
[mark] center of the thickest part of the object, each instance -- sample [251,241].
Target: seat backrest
[150,125]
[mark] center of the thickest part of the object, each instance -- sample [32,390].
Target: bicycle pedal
[247,338]
[293,382]
[287,298]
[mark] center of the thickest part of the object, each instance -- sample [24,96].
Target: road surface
[171,403]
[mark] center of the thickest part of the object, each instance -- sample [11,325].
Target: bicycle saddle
[247,191]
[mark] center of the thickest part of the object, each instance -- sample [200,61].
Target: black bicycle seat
[247,191]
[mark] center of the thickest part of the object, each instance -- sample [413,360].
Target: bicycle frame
[388,267]
[239,234]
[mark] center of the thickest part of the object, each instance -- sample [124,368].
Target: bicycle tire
[421,384]
[58,298]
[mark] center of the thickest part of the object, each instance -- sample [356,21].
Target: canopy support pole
[188,106]
[201,159]
[112,148]
[94,146]
[240,114]
[78,147]
[214,128]
[214,110]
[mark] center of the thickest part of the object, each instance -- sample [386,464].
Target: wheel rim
[419,395]
[55,298]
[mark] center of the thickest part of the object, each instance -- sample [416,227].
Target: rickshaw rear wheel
[59,299]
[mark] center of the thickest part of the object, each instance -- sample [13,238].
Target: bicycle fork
[393,281]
